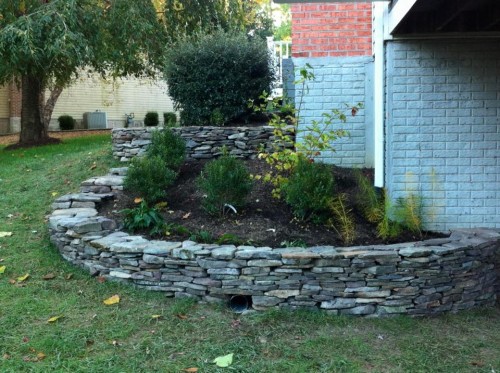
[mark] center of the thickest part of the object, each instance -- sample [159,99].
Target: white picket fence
[279,50]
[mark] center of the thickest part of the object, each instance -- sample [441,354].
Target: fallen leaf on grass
[224,361]
[235,323]
[69,276]
[94,165]
[49,276]
[6,356]
[181,316]
[2,269]
[186,216]
[5,234]
[12,281]
[53,194]
[112,300]
[477,363]
[39,357]
[53,319]
[156,317]
[175,355]
[137,200]
[191,370]
[101,279]
[23,278]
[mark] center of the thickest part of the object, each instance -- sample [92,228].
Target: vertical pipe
[379,11]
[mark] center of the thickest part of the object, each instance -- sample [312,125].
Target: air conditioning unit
[95,120]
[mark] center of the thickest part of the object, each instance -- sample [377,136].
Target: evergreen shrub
[149,177]
[151,119]
[211,77]
[169,119]
[226,183]
[309,190]
[169,146]
[66,122]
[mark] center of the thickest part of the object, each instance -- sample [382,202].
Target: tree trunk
[33,130]
[48,107]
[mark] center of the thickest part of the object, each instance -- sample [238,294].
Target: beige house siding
[4,101]
[4,109]
[116,98]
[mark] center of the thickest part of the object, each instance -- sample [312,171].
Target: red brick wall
[331,29]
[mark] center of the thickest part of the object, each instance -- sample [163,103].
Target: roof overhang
[407,17]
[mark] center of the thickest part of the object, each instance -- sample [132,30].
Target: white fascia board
[397,13]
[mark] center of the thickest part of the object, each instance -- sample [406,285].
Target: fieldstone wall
[201,142]
[420,278]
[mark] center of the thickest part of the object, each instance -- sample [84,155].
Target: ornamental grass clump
[226,184]
[309,190]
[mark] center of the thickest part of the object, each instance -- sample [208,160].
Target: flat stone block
[265,301]
[339,303]
[359,310]
[224,252]
[282,293]
[264,263]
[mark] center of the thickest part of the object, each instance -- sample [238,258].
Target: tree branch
[48,108]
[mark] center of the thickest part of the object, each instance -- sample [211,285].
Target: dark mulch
[265,221]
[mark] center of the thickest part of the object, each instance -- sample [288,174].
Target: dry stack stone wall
[201,142]
[421,278]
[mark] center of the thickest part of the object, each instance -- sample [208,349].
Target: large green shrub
[148,177]
[170,147]
[66,122]
[309,189]
[212,77]
[226,183]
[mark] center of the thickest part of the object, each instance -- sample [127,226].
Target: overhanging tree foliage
[45,44]
[188,17]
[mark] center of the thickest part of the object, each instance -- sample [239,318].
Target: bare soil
[265,221]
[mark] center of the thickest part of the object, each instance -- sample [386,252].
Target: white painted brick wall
[339,81]
[443,129]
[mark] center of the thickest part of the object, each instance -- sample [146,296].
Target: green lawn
[93,337]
